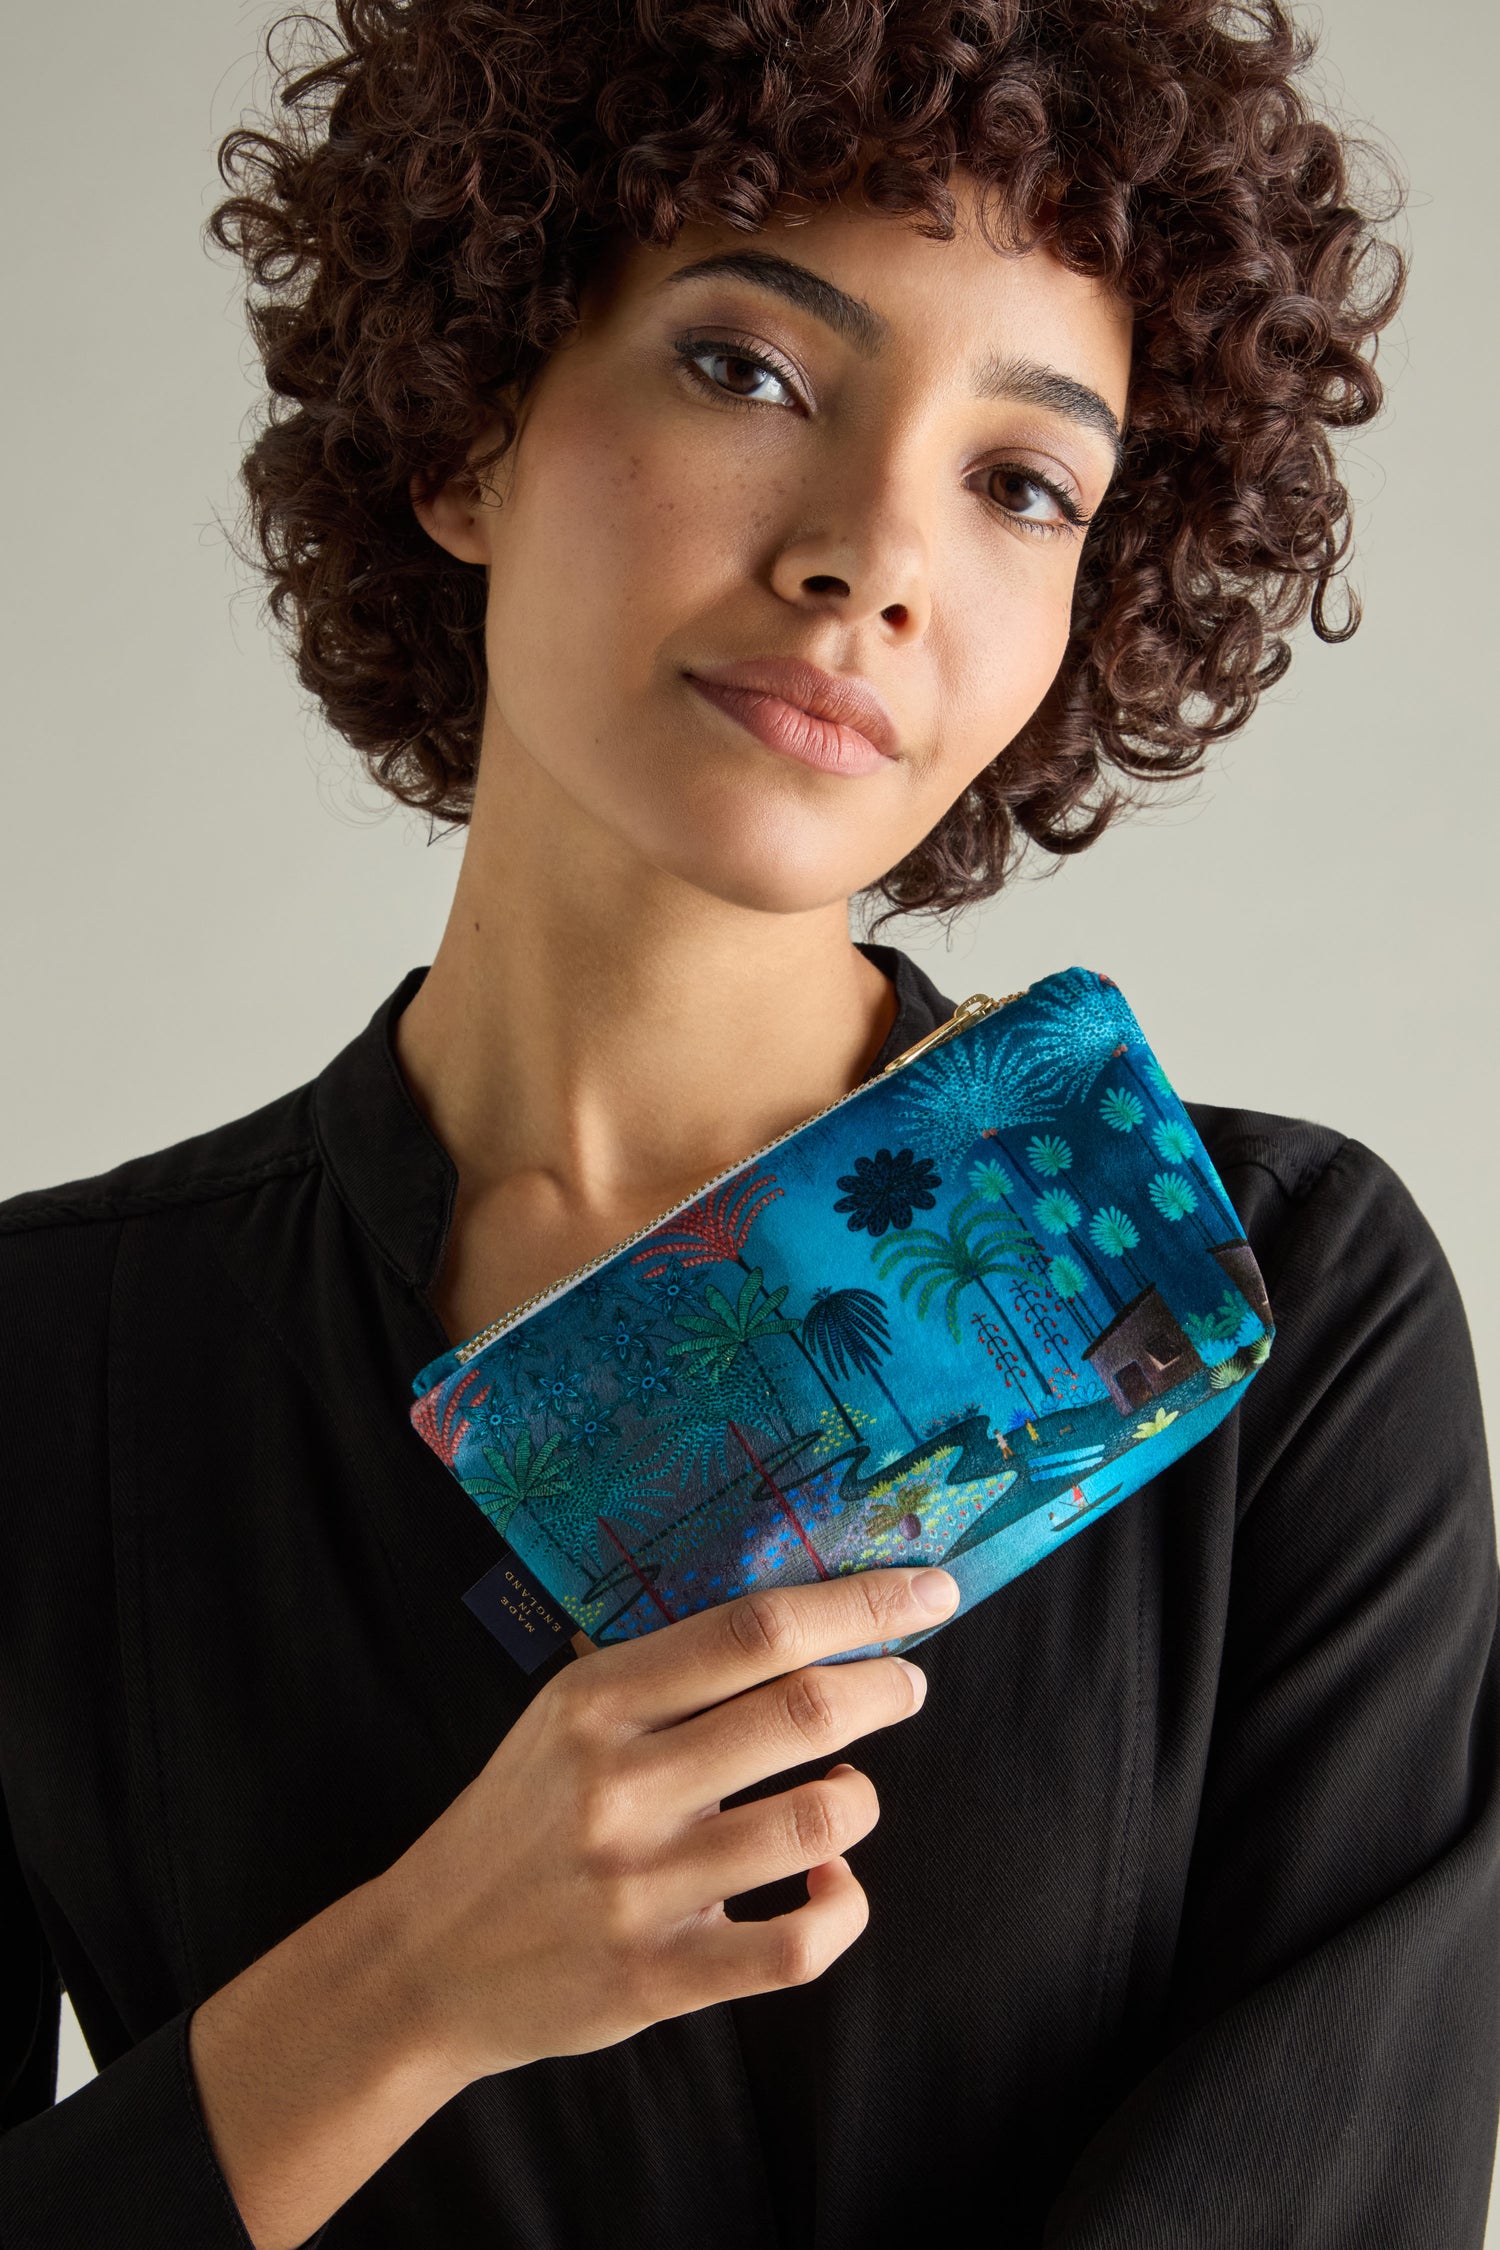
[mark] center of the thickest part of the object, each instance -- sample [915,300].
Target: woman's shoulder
[1373,1364]
[59,1241]
[73,1255]
[1314,1199]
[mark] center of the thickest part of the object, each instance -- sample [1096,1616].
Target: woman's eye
[737,374]
[1032,500]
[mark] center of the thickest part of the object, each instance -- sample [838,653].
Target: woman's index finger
[688,1666]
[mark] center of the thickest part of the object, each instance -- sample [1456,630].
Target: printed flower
[1158,1076]
[1225,1373]
[1159,1421]
[590,1428]
[1122,1110]
[649,1385]
[508,1416]
[884,1190]
[669,1288]
[558,1389]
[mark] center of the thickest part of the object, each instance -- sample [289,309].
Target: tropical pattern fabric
[954,1320]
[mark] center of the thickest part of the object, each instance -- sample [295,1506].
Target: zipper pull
[968,1011]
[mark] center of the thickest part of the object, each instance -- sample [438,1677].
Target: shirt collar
[395,1174]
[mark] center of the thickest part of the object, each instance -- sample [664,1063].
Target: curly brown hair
[451,171]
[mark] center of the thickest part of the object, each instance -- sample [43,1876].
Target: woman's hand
[574,1892]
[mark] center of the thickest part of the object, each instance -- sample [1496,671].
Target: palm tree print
[1049,1154]
[446,1432]
[1121,1110]
[1221,1326]
[956,1261]
[1171,1142]
[1174,1144]
[712,1231]
[1115,1234]
[792,1330]
[1176,1198]
[939,1105]
[1069,1280]
[1150,1081]
[848,1328]
[717,1338]
[1227,1372]
[991,1181]
[883,1190]
[1018,1080]
[1049,1157]
[1056,1212]
[524,1477]
[683,1425]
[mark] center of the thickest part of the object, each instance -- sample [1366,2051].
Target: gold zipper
[967,1012]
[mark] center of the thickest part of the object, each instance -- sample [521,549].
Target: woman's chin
[768,875]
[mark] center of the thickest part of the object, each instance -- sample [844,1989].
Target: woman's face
[833,444]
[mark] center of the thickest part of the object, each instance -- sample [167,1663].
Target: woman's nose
[876,569]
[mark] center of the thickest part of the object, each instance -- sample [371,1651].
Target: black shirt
[1183,1898]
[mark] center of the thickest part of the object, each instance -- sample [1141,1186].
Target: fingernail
[935,1590]
[918,1675]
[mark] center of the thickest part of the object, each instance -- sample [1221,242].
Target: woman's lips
[833,720]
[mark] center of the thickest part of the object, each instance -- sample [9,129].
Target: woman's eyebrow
[1025,381]
[1031,384]
[860,324]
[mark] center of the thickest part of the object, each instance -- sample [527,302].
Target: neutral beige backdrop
[199,905]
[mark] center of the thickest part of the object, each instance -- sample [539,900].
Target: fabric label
[524,1619]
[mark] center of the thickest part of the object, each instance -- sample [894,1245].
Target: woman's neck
[595,1039]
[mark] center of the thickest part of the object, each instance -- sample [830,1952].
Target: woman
[739,460]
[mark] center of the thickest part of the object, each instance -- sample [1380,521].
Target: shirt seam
[351,1204]
[139,1203]
[413,1273]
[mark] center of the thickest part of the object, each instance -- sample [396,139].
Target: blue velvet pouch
[953,1318]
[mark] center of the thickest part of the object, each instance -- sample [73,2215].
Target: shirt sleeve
[1327,2076]
[126,2160]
